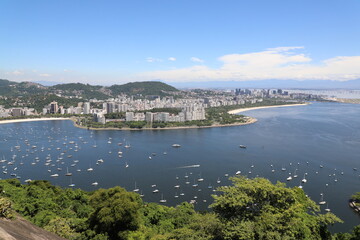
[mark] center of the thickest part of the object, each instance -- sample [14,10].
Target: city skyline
[117,42]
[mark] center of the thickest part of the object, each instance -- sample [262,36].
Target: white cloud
[44,75]
[151,59]
[172,59]
[17,73]
[274,63]
[195,59]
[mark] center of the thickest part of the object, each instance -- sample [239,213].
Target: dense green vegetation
[33,95]
[85,91]
[4,82]
[142,88]
[249,209]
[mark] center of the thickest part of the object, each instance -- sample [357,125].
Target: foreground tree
[258,209]
[116,212]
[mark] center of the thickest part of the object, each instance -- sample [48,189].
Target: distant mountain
[85,91]
[4,82]
[143,88]
[292,84]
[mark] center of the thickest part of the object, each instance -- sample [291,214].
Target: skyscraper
[54,108]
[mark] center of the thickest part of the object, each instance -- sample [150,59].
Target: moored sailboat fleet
[62,158]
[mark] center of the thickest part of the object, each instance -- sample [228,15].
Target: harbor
[170,167]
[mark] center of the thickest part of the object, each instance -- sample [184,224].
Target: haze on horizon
[107,42]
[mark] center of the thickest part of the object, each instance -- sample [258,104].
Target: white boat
[136,189]
[94,183]
[90,169]
[54,175]
[242,146]
[155,191]
[327,209]
[322,202]
[289,178]
[162,200]
[200,179]
[175,145]
[304,179]
[67,172]
[218,180]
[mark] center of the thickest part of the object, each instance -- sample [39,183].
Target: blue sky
[106,42]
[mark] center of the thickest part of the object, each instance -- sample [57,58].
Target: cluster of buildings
[16,112]
[54,108]
[191,107]
[189,113]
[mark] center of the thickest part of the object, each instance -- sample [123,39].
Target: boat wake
[190,166]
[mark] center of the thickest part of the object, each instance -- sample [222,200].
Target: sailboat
[200,179]
[327,209]
[195,184]
[295,175]
[67,172]
[127,145]
[71,184]
[322,202]
[304,179]
[162,200]
[289,178]
[135,189]
[90,169]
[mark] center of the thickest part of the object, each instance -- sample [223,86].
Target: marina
[321,156]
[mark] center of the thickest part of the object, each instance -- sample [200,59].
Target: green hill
[142,88]
[4,82]
[85,91]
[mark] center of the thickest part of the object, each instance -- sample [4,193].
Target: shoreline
[31,120]
[250,120]
[239,110]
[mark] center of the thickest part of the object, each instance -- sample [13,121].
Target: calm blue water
[301,138]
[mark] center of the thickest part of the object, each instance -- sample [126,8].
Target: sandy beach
[31,120]
[255,108]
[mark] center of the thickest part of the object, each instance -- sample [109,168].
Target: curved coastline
[31,120]
[250,120]
[239,110]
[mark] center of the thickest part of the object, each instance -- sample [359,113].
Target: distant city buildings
[16,112]
[191,106]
